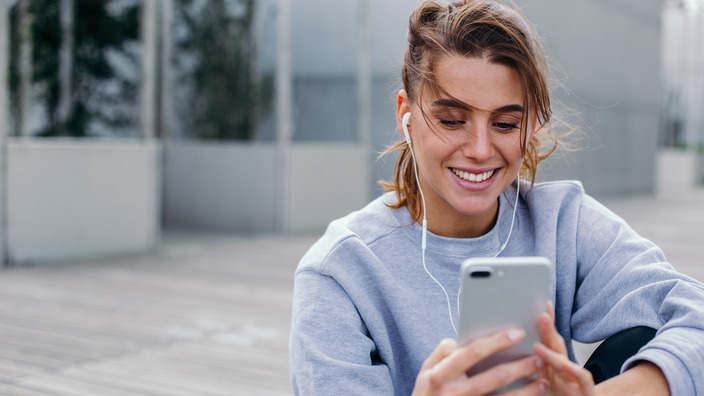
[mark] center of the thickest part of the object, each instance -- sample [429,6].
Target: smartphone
[502,293]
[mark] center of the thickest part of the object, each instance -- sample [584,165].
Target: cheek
[433,147]
[510,148]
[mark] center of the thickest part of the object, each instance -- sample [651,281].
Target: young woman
[375,298]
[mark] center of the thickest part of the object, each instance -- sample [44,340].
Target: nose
[477,142]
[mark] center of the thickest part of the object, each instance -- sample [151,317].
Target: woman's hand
[562,375]
[444,372]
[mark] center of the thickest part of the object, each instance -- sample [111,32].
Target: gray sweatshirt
[366,314]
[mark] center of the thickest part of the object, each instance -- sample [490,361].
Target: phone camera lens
[480,274]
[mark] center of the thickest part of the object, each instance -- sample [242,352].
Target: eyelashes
[501,126]
[505,126]
[452,123]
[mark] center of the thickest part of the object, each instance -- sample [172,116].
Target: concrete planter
[70,199]
[246,188]
[219,187]
[679,169]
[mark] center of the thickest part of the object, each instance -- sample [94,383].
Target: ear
[403,106]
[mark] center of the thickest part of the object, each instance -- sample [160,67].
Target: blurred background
[120,118]
[164,164]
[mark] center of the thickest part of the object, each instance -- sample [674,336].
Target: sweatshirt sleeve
[330,348]
[623,281]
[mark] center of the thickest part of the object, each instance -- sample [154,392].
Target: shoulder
[571,192]
[555,198]
[566,205]
[567,201]
[355,233]
[556,190]
[564,192]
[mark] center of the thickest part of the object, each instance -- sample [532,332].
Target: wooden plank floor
[207,314]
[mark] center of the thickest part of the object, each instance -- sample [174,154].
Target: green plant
[215,55]
[98,33]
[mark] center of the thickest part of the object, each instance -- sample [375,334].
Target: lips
[473,177]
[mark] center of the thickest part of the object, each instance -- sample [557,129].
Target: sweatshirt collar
[485,245]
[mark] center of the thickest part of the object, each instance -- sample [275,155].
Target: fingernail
[539,363]
[542,386]
[515,334]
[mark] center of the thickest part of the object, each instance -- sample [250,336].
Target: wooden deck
[206,315]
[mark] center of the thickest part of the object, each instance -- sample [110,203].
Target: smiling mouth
[473,177]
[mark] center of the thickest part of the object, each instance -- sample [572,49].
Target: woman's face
[469,149]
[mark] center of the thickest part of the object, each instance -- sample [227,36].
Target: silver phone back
[502,293]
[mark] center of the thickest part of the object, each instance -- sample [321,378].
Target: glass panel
[74,67]
[682,57]
[223,67]
[325,47]
[389,21]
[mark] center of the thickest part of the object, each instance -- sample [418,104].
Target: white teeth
[474,177]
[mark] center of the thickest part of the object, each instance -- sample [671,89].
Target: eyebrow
[446,102]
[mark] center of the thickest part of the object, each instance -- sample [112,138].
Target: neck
[462,226]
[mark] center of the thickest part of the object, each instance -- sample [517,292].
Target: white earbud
[405,122]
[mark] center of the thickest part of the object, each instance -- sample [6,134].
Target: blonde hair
[482,29]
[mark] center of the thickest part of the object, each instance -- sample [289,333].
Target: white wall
[220,187]
[686,164]
[606,53]
[327,182]
[74,199]
[232,187]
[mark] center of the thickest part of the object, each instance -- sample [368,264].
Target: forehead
[478,83]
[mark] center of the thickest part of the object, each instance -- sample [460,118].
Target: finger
[498,377]
[563,367]
[424,381]
[457,364]
[534,388]
[550,357]
[549,335]
[444,349]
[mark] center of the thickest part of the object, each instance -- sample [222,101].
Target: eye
[505,126]
[451,123]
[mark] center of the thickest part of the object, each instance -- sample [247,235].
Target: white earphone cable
[425,225]
[513,218]
[424,233]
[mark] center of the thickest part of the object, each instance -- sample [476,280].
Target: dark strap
[607,359]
